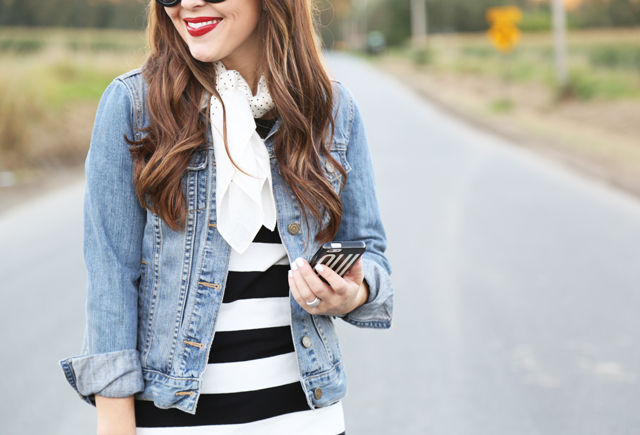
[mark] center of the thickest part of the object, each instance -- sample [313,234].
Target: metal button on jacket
[328,166]
[294,228]
[306,342]
[317,393]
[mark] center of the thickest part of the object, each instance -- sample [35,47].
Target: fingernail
[290,274]
[294,266]
[319,267]
[300,262]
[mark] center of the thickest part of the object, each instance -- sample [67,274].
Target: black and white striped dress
[251,383]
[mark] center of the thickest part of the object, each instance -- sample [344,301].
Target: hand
[341,296]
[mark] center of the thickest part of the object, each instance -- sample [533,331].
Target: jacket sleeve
[113,228]
[361,221]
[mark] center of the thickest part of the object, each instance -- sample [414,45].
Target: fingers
[305,281]
[298,297]
[337,283]
[356,273]
[338,297]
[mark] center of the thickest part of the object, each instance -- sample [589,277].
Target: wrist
[363,293]
[115,415]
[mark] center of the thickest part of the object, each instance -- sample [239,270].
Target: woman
[213,173]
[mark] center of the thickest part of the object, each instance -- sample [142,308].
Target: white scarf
[244,203]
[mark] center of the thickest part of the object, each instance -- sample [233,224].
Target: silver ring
[314,303]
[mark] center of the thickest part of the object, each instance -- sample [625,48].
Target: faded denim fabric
[153,293]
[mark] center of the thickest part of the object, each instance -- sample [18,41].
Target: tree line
[118,14]
[391,17]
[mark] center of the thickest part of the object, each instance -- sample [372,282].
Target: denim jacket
[153,293]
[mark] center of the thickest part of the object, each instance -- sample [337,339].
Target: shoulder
[133,78]
[125,99]
[127,86]
[344,111]
[134,84]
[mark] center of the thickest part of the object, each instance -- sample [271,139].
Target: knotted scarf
[244,200]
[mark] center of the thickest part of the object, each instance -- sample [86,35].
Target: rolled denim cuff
[378,310]
[112,374]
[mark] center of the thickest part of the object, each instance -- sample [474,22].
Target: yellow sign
[503,32]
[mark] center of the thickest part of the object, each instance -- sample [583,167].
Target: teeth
[204,23]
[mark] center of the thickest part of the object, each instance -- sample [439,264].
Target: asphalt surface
[517,290]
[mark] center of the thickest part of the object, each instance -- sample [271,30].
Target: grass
[50,83]
[593,125]
[603,64]
[51,79]
[502,105]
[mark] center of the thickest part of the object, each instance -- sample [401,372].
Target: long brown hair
[303,97]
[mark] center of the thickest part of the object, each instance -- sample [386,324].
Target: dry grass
[50,83]
[604,64]
[597,130]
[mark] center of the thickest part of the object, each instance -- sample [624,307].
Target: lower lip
[202,30]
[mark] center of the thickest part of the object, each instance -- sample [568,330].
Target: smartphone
[339,256]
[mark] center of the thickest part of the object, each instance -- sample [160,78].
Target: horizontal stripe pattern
[255,285]
[250,375]
[321,421]
[250,344]
[251,384]
[258,257]
[235,408]
[254,314]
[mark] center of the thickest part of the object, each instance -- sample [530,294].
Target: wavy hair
[301,90]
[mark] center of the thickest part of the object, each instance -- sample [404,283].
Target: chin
[203,55]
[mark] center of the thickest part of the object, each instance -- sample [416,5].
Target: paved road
[518,288]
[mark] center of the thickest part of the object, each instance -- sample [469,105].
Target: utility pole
[560,40]
[419,25]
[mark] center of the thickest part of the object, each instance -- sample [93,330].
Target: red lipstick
[198,26]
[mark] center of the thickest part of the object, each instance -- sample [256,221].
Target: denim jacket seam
[135,103]
[210,168]
[331,402]
[334,367]
[322,336]
[367,323]
[351,117]
[167,375]
[191,225]
[152,305]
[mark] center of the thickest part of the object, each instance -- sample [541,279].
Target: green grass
[61,66]
[603,64]
[625,56]
[21,46]
[502,105]
[44,74]
[71,79]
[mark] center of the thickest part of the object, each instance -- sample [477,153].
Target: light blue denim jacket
[153,293]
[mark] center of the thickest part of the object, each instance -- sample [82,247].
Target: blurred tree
[624,13]
[73,13]
[392,17]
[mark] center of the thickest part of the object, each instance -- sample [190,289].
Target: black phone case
[339,256]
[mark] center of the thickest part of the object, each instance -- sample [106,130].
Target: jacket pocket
[327,333]
[339,153]
[194,181]
[198,159]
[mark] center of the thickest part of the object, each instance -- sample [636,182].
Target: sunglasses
[172,3]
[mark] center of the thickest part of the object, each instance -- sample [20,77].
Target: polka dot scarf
[244,200]
[259,104]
